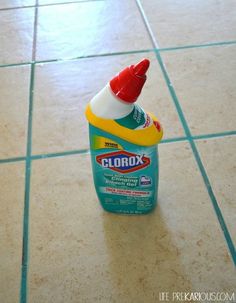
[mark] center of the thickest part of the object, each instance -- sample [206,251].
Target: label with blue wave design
[125,174]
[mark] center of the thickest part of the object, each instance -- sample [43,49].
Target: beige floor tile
[62,91]
[218,156]
[16,32]
[11,218]
[90,28]
[15,3]
[78,253]
[14,100]
[190,22]
[204,80]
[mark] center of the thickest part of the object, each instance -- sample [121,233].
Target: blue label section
[126,180]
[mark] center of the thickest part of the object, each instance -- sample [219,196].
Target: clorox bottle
[123,144]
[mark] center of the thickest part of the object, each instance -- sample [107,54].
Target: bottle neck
[106,105]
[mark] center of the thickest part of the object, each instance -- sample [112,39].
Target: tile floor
[57,244]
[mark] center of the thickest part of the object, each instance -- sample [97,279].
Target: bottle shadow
[143,260]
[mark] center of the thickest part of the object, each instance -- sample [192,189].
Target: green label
[136,119]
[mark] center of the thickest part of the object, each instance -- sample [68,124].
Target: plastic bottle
[123,144]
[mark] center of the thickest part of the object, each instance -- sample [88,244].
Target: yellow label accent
[145,137]
[102,142]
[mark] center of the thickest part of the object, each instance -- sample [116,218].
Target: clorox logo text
[123,161]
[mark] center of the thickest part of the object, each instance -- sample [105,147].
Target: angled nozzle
[127,85]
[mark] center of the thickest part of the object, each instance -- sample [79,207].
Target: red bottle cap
[127,85]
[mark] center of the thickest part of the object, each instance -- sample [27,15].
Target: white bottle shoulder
[106,105]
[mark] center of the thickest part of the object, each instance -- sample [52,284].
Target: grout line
[96,56]
[146,24]
[49,4]
[224,43]
[25,246]
[10,160]
[15,64]
[216,135]
[60,154]
[70,2]
[84,151]
[173,95]
[172,140]
[174,48]
[79,57]
[15,7]
[25,249]
[191,141]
